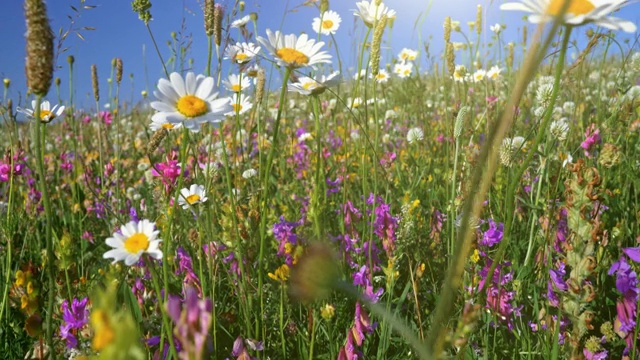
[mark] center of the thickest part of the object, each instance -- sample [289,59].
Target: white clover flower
[543,94]
[559,129]
[415,135]
[249,173]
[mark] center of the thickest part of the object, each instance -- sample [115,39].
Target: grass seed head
[39,62]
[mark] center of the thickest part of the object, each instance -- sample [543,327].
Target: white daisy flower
[241,53]
[249,173]
[403,70]
[191,101]
[354,103]
[415,135]
[236,83]
[194,195]
[242,22]
[133,240]
[293,51]
[494,72]
[382,77]
[239,105]
[158,123]
[360,75]
[407,55]
[479,75]
[459,73]
[47,113]
[327,24]
[370,13]
[578,12]
[309,86]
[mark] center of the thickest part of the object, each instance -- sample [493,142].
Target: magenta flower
[592,138]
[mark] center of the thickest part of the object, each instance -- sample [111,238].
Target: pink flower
[592,136]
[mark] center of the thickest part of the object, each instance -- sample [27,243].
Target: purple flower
[632,253]
[192,318]
[74,318]
[493,235]
[557,277]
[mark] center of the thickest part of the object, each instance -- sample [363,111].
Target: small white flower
[415,135]
[382,77]
[327,24]
[240,104]
[242,22]
[236,83]
[497,28]
[248,174]
[459,74]
[133,240]
[494,72]
[407,55]
[194,195]
[479,75]
[369,12]
[403,70]
[241,53]
[309,86]
[304,137]
[47,114]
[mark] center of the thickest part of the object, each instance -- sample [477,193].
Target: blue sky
[119,33]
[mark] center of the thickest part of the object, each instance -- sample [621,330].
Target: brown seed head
[375,44]
[218,12]
[118,70]
[94,82]
[208,16]
[261,79]
[39,62]
[447,29]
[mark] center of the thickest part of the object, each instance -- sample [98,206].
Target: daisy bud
[94,82]
[462,115]
[156,139]
[71,59]
[479,20]
[524,35]
[447,29]
[217,24]
[375,44]
[6,82]
[324,5]
[144,93]
[39,62]
[254,16]
[57,81]
[241,6]
[118,70]
[209,6]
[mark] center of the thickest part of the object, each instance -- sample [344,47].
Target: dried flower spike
[94,82]
[39,62]
[208,17]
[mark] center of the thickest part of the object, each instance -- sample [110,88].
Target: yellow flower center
[46,115]
[167,126]
[237,107]
[136,242]
[191,199]
[576,7]
[327,24]
[242,57]
[292,56]
[192,106]
[236,87]
[309,85]
[381,76]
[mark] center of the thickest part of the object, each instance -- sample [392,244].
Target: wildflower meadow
[474,195]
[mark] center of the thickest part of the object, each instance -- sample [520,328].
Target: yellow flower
[327,312]
[281,273]
[104,334]
[20,278]
[475,257]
